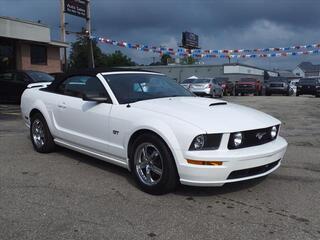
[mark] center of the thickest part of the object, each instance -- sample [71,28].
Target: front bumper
[246,90]
[276,90]
[233,160]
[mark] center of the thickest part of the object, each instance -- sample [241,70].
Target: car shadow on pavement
[181,190]
[95,162]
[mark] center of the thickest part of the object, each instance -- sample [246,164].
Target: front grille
[252,138]
[252,171]
[245,86]
[276,85]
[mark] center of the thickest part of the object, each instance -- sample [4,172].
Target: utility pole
[63,35]
[88,28]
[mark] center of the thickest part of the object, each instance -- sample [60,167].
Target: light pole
[63,35]
[88,27]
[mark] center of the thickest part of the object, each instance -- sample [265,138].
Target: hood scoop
[217,103]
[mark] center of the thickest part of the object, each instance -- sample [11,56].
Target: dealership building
[233,71]
[27,45]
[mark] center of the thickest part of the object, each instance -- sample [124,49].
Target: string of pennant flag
[309,49]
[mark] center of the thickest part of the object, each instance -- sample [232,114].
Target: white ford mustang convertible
[149,124]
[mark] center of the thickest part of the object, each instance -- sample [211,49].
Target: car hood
[217,118]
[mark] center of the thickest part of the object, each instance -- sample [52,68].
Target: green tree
[79,56]
[119,59]
[188,60]
[165,59]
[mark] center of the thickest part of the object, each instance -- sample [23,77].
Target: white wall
[298,72]
[11,28]
[238,69]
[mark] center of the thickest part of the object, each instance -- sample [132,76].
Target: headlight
[274,132]
[206,142]
[198,142]
[237,139]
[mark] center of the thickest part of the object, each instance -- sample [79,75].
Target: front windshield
[282,80]
[248,80]
[187,81]
[40,76]
[135,87]
[308,81]
[201,81]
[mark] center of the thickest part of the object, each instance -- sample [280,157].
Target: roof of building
[287,74]
[309,67]
[24,21]
[203,66]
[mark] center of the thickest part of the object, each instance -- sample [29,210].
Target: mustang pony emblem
[260,135]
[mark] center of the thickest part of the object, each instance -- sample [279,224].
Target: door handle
[62,106]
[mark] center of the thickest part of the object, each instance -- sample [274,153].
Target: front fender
[177,134]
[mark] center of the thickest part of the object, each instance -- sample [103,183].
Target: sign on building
[190,40]
[76,7]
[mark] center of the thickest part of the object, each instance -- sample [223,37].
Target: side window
[73,86]
[94,86]
[77,86]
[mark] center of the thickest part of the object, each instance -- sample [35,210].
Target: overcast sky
[220,24]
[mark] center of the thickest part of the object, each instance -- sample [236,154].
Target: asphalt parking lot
[67,195]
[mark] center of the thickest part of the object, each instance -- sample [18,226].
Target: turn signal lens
[207,163]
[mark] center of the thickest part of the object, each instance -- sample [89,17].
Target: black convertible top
[88,72]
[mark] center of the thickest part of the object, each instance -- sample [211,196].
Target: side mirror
[95,98]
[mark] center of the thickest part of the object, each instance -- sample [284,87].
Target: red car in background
[248,86]
[227,86]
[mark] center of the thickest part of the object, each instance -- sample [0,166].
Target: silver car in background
[206,87]
[186,83]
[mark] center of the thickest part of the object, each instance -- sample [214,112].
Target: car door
[5,79]
[84,123]
[12,85]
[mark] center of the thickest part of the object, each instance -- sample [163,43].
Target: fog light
[237,139]
[273,132]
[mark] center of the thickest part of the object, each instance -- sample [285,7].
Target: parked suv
[206,87]
[309,86]
[228,86]
[248,86]
[278,85]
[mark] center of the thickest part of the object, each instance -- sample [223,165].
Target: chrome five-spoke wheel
[38,134]
[148,163]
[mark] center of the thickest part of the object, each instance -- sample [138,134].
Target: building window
[38,54]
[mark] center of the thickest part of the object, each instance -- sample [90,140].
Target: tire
[297,94]
[41,137]
[163,175]
[268,94]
